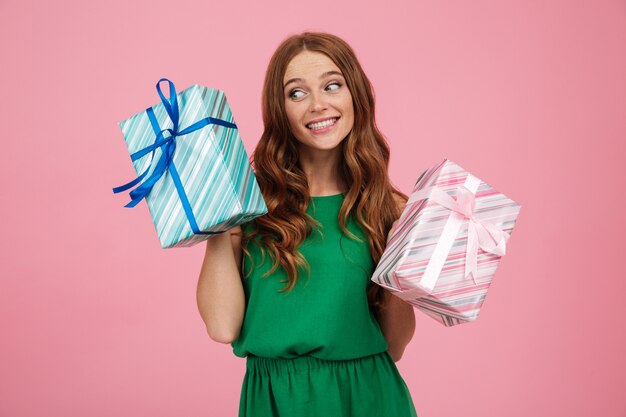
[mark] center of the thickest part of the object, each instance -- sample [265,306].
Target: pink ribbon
[489,237]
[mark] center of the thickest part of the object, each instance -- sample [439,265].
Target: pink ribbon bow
[489,237]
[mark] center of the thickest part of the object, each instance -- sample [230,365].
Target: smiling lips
[318,125]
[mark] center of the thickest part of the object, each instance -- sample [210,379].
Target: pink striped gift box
[447,244]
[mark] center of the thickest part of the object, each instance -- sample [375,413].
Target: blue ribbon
[165,162]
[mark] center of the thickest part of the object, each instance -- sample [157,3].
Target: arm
[220,294]
[397,321]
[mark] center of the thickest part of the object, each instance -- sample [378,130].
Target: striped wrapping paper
[212,164]
[413,265]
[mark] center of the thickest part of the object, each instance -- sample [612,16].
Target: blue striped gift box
[211,162]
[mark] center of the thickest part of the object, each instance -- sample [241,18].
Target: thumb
[393,228]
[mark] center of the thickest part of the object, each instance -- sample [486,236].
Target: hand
[393,228]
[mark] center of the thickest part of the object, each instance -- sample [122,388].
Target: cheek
[346,103]
[348,109]
[291,117]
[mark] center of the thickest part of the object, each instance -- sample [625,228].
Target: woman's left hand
[393,229]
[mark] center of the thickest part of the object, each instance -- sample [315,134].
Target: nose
[318,103]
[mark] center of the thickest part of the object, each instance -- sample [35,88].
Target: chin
[320,146]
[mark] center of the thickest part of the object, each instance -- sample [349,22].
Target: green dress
[318,350]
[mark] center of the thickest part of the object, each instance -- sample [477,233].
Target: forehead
[309,66]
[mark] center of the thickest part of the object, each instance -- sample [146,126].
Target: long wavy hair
[370,198]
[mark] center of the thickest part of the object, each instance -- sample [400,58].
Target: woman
[319,336]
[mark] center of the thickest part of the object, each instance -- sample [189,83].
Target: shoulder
[247,227]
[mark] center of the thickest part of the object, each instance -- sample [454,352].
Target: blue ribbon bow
[165,163]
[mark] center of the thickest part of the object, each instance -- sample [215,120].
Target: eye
[335,84]
[294,94]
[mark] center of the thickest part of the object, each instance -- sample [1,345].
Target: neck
[322,171]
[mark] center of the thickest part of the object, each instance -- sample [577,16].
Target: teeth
[321,125]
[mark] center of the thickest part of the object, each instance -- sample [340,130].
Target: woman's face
[317,101]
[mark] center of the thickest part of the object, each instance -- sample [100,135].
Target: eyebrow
[324,75]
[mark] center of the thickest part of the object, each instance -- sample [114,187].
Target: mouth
[322,124]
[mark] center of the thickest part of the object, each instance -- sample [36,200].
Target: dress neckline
[318,197]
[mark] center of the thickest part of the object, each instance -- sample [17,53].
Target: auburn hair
[370,197]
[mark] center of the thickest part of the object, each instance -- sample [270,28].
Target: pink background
[530,96]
